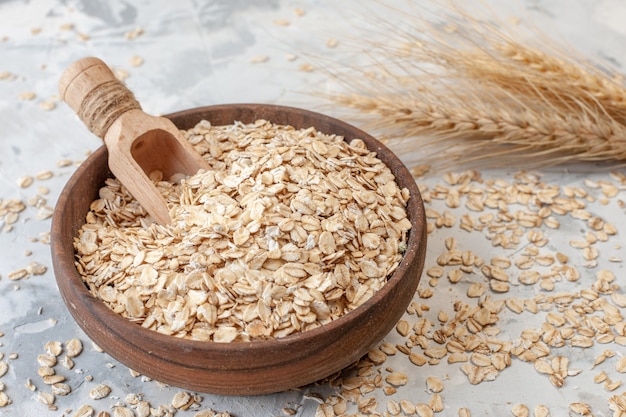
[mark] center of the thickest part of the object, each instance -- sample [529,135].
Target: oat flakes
[289,230]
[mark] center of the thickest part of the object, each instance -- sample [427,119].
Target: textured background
[199,53]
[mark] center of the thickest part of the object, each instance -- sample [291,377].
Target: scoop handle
[91,89]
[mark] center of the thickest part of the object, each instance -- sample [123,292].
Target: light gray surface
[198,53]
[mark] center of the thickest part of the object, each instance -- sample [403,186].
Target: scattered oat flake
[47,105]
[299,12]
[520,410]
[580,408]
[44,213]
[18,274]
[53,379]
[306,67]
[397,378]
[541,410]
[423,410]
[403,327]
[64,163]
[434,384]
[45,398]
[35,268]
[612,385]
[282,22]
[134,33]
[136,61]
[332,42]
[29,385]
[99,392]
[67,362]
[27,96]
[44,175]
[464,412]
[259,59]
[514,20]
[73,347]
[182,400]
[47,360]
[25,181]
[121,74]
[53,348]
[4,399]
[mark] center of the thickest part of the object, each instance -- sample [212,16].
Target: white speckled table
[184,54]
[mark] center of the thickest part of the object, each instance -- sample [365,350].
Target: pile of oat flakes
[289,229]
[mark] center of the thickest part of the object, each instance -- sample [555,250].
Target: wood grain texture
[138,143]
[239,368]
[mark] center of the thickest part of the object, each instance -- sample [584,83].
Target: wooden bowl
[238,368]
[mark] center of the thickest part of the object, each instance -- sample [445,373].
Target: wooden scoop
[138,143]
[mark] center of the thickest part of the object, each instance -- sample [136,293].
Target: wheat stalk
[494,132]
[470,92]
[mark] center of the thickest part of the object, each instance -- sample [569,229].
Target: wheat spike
[469,92]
